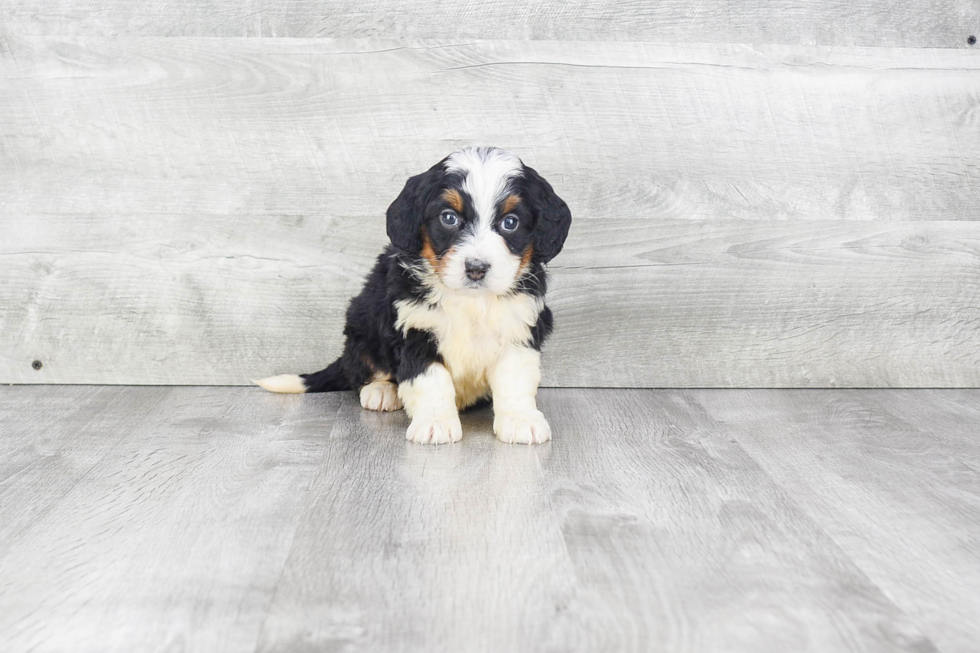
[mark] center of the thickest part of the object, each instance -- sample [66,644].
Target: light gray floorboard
[642,527]
[228,519]
[52,438]
[175,538]
[429,549]
[681,542]
[935,23]
[892,477]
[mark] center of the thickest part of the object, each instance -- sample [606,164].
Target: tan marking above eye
[511,202]
[453,199]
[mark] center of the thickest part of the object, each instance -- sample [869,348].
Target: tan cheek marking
[438,264]
[453,199]
[525,261]
[427,252]
[511,203]
[444,260]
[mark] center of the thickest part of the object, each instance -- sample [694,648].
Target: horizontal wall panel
[642,302]
[929,23]
[188,210]
[313,127]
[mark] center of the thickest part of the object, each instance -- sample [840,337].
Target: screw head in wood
[37,365]
[972,40]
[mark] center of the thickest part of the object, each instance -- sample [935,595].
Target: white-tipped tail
[284,383]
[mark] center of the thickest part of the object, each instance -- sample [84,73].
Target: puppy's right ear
[406,213]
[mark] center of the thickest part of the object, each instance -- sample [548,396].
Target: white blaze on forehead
[486,175]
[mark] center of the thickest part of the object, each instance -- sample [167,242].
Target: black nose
[476,269]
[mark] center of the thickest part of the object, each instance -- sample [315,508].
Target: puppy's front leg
[426,388]
[514,383]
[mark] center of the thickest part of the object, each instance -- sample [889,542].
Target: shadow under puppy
[453,312]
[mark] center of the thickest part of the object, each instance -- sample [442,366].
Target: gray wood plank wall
[927,23]
[799,212]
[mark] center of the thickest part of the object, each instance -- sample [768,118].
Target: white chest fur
[471,331]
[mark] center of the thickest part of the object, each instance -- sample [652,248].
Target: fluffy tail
[326,380]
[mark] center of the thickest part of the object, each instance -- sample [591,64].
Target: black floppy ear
[551,215]
[406,213]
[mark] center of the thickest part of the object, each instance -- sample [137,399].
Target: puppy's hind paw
[524,427]
[380,395]
[435,428]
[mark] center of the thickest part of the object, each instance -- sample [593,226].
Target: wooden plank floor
[227,519]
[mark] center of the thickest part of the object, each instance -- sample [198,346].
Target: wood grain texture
[182,210]
[174,539]
[930,23]
[334,127]
[665,514]
[641,527]
[637,303]
[52,440]
[231,520]
[891,477]
[427,548]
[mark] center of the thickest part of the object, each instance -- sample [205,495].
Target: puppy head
[480,219]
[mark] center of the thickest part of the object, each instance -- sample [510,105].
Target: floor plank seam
[85,476]
[738,436]
[308,499]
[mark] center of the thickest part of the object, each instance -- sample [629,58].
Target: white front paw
[435,428]
[521,427]
[380,395]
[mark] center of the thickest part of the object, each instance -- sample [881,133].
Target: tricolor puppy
[453,312]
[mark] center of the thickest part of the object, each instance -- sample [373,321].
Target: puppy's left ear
[551,215]
[405,214]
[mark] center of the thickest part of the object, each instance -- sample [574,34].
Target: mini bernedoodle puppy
[453,312]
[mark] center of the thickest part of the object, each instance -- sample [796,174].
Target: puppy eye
[510,223]
[450,219]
